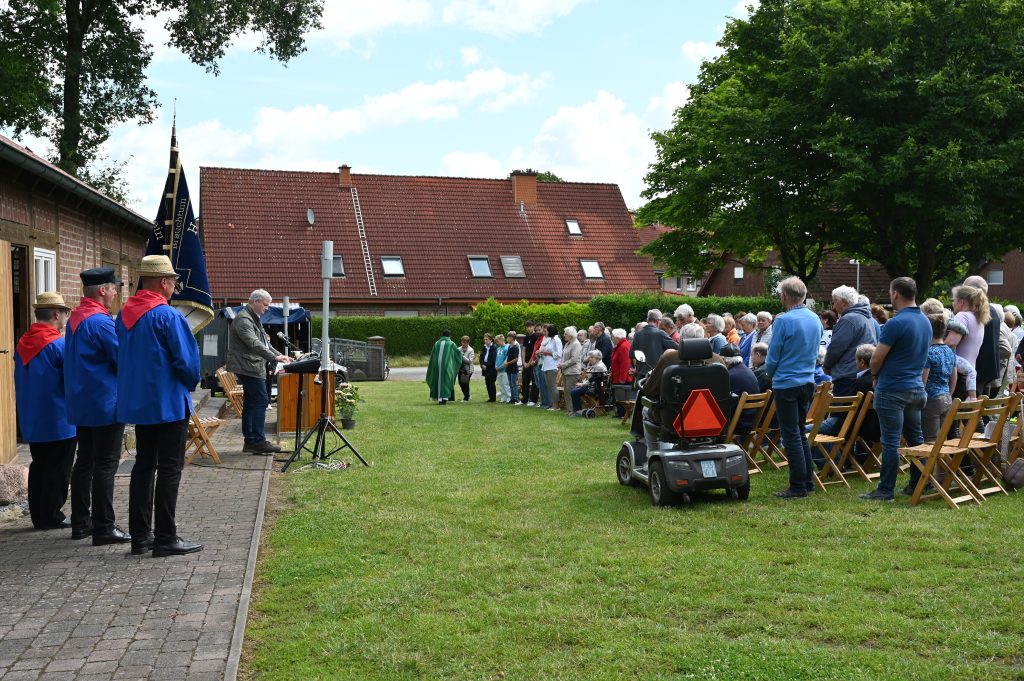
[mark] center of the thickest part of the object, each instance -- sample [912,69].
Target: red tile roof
[256,235]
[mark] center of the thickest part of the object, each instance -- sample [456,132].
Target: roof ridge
[397,175]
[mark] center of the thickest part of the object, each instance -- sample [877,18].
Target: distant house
[1005,277]
[407,246]
[52,226]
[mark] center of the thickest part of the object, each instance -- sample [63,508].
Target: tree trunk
[69,157]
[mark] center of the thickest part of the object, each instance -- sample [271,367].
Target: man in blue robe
[90,383]
[158,366]
[42,412]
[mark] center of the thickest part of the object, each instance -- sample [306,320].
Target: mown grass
[493,542]
[405,361]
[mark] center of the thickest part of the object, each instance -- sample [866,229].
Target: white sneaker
[530,404]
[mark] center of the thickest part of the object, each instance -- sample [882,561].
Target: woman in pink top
[970,308]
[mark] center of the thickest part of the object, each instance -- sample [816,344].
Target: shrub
[626,309]
[494,317]
[403,335]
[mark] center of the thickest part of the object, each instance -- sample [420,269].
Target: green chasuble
[445,360]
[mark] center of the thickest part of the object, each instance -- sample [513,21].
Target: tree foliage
[889,130]
[76,68]
[542,175]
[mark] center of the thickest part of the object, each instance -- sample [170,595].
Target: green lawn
[493,542]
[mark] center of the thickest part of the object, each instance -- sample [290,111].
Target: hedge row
[415,335]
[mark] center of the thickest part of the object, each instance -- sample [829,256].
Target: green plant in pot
[346,405]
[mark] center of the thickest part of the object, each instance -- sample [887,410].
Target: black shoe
[178,548]
[907,491]
[114,536]
[142,546]
[262,448]
[62,525]
[81,532]
[791,494]
[877,496]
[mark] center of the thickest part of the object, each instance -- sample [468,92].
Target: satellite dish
[310,217]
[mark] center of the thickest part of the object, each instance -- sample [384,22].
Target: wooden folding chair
[943,458]
[844,408]
[824,388]
[200,428]
[747,402]
[1017,439]
[232,390]
[987,477]
[871,469]
[764,451]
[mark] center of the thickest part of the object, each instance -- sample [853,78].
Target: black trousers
[465,387]
[92,478]
[48,478]
[526,382]
[160,452]
[490,376]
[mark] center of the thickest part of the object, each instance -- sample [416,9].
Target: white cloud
[507,17]
[472,164]
[700,51]
[741,10]
[345,20]
[662,106]
[470,56]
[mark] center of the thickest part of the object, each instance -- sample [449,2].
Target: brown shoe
[265,447]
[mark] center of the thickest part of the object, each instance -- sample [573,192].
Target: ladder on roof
[362,242]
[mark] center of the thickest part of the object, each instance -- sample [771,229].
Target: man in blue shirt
[158,366]
[90,384]
[897,366]
[792,356]
[42,412]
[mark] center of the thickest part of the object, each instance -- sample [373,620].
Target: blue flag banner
[176,235]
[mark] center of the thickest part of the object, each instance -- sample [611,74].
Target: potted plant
[347,404]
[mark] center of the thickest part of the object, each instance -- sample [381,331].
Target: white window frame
[392,260]
[691,283]
[991,277]
[573,226]
[44,270]
[475,261]
[588,269]
[517,262]
[679,283]
[737,272]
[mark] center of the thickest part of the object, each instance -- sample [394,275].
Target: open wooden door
[8,428]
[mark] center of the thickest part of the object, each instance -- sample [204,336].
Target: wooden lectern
[288,396]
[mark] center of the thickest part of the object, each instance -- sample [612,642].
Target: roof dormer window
[591,269]
[392,265]
[574,227]
[480,265]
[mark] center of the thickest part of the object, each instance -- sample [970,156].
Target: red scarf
[39,335]
[138,305]
[87,308]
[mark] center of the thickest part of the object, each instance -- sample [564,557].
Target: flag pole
[171,186]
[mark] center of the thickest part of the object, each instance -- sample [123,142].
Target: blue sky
[436,87]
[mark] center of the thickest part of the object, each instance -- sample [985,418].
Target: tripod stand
[324,425]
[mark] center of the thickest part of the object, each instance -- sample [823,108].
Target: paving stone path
[69,610]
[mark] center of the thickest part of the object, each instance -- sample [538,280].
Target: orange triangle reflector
[700,416]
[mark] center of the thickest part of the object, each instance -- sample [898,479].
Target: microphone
[280,334]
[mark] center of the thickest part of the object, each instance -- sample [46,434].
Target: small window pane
[691,284]
[480,266]
[513,266]
[392,266]
[591,269]
[573,226]
[994,277]
[339,267]
[737,273]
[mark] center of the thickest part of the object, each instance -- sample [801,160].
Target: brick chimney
[524,187]
[344,177]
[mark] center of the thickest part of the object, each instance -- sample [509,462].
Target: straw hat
[51,300]
[156,266]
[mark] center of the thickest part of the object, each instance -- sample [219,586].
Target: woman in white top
[551,355]
[466,370]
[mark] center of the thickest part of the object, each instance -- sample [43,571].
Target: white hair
[977,282]
[999,311]
[749,319]
[764,315]
[863,300]
[654,315]
[596,353]
[729,361]
[847,294]
[258,295]
[619,333]
[571,330]
[684,310]
[692,330]
[821,356]
[717,321]
[760,348]
[864,352]
[793,289]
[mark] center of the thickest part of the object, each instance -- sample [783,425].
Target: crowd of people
[916,360]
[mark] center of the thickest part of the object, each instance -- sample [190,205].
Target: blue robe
[90,372]
[39,394]
[158,366]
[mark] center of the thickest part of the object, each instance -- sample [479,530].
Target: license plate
[708,469]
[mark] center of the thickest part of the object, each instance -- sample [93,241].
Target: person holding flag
[42,412]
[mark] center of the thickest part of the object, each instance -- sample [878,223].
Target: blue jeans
[254,408]
[899,413]
[513,385]
[542,389]
[791,405]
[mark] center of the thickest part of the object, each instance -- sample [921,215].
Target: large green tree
[891,130]
[73,69]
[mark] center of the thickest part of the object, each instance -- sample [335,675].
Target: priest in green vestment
[445,360]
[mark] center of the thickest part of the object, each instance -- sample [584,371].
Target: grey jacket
[854,328]
[248,346]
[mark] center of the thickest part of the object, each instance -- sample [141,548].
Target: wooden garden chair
[846,409]
[758,403]
[1017,439]
[232,390]
[987,477]
[820,392]
[942,459]
[200,429]
[763,449]
[871,468]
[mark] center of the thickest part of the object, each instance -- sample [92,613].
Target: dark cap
[99,276]
[730,350]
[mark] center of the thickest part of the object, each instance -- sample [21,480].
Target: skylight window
[591,269]
[392,265]
[480,265]
[574,227]
[513,266]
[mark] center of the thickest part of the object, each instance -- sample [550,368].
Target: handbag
[1013,475]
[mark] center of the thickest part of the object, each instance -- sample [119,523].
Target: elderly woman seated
[595,374]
